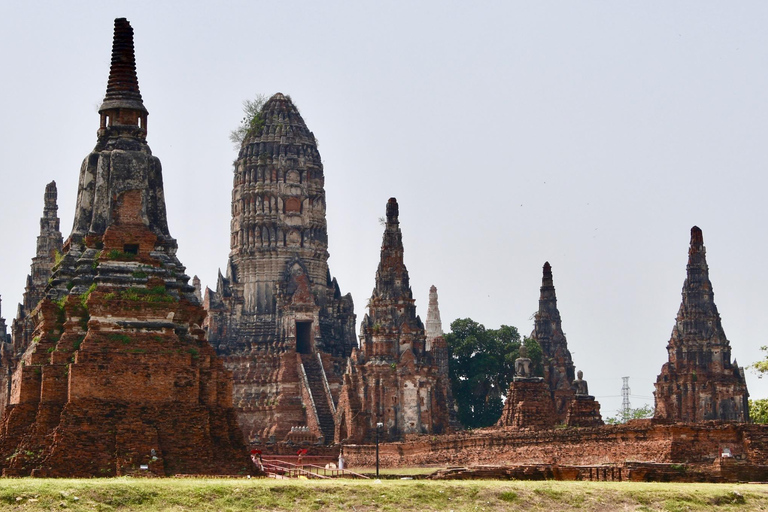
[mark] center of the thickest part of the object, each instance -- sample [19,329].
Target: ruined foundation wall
[611,444]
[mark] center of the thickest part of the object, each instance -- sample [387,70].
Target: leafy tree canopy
[482,364]
[761,367]
[640,413]
[252,122]
[758,411]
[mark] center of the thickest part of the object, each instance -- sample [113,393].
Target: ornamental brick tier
[699,382]
[118,378]
[277,318]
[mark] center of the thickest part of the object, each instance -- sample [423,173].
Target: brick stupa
[529,404]
[118,378]
[583,409]
[393,379]
[699,382]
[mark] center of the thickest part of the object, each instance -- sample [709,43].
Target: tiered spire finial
[123,84]
[392,277]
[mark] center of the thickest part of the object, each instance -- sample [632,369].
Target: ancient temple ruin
[437,346]
[277,318]
[583,409]
[556,358]
[49,246]
[393,379]
[48,249]
[118,378]
[537,403]
[699,382]
[529,404]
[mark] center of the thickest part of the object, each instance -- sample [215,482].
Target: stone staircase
[316,385]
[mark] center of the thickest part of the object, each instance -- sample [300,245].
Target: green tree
[252,122]
[482,364]
[758,411]
[639,413]
[761,367]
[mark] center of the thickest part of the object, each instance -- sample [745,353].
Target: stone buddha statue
[580,385]
[523,364]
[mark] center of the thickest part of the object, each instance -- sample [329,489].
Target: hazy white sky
[590,134]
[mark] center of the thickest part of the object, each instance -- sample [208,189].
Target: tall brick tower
[393,379]
[548,332]
[699,382]
[118,378]
[278,318]
[49,245]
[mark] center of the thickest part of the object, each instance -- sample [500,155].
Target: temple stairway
[315,378]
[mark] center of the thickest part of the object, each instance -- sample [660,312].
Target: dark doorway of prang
[304,337]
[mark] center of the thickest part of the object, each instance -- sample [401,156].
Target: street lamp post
[378,429]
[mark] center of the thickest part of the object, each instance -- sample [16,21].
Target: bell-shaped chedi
[556,358]
[277,318]
[118,378]
[699,382]
[393,380]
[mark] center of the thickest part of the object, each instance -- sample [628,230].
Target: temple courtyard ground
[388,495]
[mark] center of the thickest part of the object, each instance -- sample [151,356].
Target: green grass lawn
[396,471]
[391,495]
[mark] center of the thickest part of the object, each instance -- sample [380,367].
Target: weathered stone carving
[278,319]
[699,382]
[393,379]
[556,358]
[118,374]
